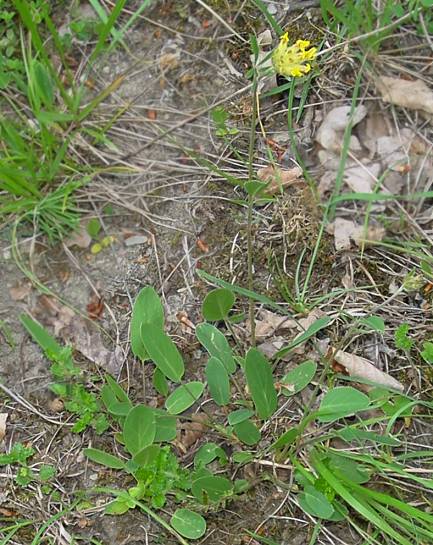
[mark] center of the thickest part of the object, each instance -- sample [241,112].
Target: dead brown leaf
[279,178]
[86,339]
[359,367]
[3,418]
[79,238]
[190,432]
[20,291]
[269,323]
[345,231]
[95,308]
[362,178]
[169,61]
[415,94]
[331,132]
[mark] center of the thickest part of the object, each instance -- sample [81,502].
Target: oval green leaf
[139,429]
[340,402]
[217,304]
[162,351]
[315,503]
[297,379]
[160,382]
[247,432]
[103,458]
[188,524]
[211,489]
[207,453]
[183,397]
[236,417]
[375,323]
[261,383]
[147,455]
[218,381]
[165,426]
[216,344]
[147,309]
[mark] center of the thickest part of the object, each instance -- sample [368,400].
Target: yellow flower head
[292,61]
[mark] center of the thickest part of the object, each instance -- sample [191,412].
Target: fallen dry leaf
[169,61]
[362,179]
[20,291]
[279,178]
[202,246]
[80,238]
[86,339]
[190,432]
[415,94]
[95,308]
[3,418]
[135,240]
[345,231]
[331,132]
[359,367]
[269,323]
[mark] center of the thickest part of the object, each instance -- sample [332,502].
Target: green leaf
[207,453]
[118,391]
[348,470]
[314,328]
[315,503]
[211,489]
[183,397]
[40,335]
[46,472]
[287,438]
[218,381]
[217,304]
[247,432]
[427,353]
[147,455]
[165,426]
[260,381]
[236,417]
[341,402]
[350,434]
[373,322]
[402,339]
[43,85]
[160,382]
[93,227]
[188,524]
[162,351]
[242,457]
[139,429]
[147,309]
[103,458]
[297,379]
[216,344]
[116,507]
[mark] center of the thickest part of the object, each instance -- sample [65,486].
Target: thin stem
[250,207]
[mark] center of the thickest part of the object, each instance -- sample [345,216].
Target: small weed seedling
[67,376]
[19,454]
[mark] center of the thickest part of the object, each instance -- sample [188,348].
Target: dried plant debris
[358,367]
[279,179]
[82,334]
[412,94]
[347,231]
[3,419]
[379,156]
